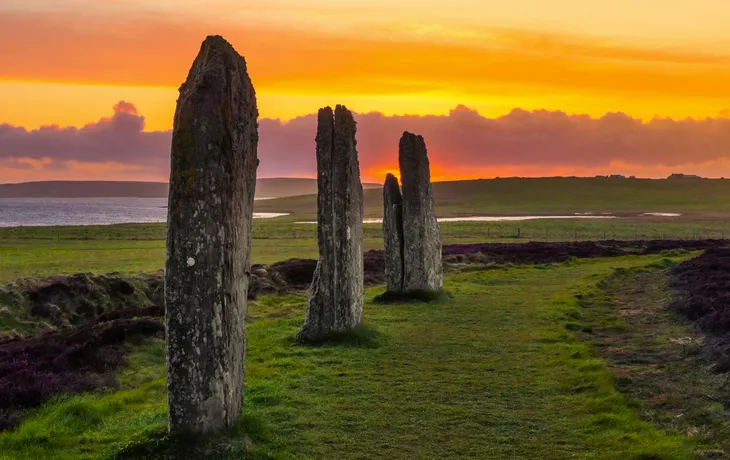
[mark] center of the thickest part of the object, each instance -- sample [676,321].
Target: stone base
[359,336]
[420,295]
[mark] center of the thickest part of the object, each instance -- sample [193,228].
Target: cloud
[16,163]
[464,140]
[460,144]
[120,138]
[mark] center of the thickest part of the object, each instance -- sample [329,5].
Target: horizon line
[608,176]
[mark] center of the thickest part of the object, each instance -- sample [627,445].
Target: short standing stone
[423,269]
[393,234]
[336,295]
[210,208]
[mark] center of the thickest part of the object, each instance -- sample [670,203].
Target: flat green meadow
[135,248]
[547,195]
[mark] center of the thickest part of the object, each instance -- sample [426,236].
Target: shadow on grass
[390,297]
[239,441]
[361,336]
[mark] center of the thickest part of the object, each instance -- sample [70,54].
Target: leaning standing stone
[393,234]
[336,295]
[423,269]
[212,184]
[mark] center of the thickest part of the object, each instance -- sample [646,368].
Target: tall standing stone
[210,208]
[393,234]
[322,290]
[336,295]
[423,269]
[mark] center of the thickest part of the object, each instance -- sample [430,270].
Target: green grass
[88,426]
[418,295]
[656,355]
[134,248]
[547,195]
[99,295]
[495,372]
[502,369]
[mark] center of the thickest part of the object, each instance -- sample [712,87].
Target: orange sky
[67,62]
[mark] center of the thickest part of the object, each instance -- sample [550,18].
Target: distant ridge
[83,189]
[265,188]
[516,196]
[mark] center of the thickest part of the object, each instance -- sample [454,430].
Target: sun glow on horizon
[410,58]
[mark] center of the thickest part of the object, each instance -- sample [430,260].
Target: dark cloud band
[462,139]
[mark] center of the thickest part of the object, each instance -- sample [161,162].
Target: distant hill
[508,196]
[549,195]
[288,186]
[83,189]
[265,188]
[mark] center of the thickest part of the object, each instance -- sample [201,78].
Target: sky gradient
[67,63]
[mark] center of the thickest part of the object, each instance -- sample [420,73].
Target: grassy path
[493,373]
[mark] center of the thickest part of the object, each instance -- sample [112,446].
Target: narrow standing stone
[393,234]
[210,208]
[322,289]
[423,269]
[336,295]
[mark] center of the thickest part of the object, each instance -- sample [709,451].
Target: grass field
[544,362]
[134,248]
[704,205]
[656,356]
[515,196]
[494,372]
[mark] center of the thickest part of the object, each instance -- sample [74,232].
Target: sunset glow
[641,58]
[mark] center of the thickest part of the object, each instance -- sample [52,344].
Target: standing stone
[336,295]
[322,290]
[423,269]
[393,234]
[210,207]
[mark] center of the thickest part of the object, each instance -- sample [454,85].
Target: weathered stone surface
[322,290]
[336,294]
[210,208]
[422,264]
[393,233]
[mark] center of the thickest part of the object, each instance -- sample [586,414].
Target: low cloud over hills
[461,144]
